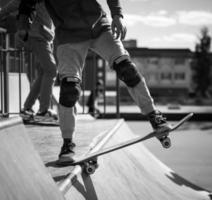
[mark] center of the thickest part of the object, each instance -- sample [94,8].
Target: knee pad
[127,72]
[69,93]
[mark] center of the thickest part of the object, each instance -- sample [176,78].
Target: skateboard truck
[162,136]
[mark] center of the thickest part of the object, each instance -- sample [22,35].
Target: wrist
[118,16]
[23,22]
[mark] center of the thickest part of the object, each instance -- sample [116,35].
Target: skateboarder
[39,41]
[82,25]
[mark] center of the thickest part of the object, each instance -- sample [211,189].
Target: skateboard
[90,164]
[33,120]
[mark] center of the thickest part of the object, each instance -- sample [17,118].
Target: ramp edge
[9,122]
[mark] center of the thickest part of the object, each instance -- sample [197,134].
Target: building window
[179,61]
[153,61]
[179,76]
[100,63]
[152,78]
[166,76]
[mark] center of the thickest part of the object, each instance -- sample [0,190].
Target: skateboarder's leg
[114,52]
[71,61]
[136,85]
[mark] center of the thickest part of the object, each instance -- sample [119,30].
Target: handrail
[10,54]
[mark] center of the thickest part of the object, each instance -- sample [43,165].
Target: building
[167,71]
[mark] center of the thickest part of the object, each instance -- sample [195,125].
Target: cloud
[137,0]
[159,19]
[176,37]
[162,18]
[195,18]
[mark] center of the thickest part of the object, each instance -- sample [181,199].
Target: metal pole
[117,98]
[94,89]
[6,78]
[104,86]
[19,75]
[83,92]
[1,76]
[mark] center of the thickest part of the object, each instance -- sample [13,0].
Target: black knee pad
[69,93]
[127,72]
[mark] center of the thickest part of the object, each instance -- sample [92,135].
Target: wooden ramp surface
[23,175]
[48,141]
[133,173]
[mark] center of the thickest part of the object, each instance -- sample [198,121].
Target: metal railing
[15,61]
[4,73]
[21,62]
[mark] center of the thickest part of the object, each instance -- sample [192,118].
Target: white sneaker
[26,114]
[47,115]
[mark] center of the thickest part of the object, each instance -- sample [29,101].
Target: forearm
[115,7]
[11,7]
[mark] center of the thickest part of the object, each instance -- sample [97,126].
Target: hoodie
[75,20]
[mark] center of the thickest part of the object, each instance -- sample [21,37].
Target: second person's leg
[43,51]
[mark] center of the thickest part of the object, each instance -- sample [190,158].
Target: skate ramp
[23,175]
[131,173]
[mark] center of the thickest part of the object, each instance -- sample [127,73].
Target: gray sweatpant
[71,58]
[42,85]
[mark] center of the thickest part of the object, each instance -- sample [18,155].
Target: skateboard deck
[41,122]
[89,163]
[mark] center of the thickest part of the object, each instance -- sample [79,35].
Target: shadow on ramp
[23,175]
[87,189]
[183,182]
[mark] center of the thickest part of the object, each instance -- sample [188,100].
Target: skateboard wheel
[90,169]
[166,142]
[91,166]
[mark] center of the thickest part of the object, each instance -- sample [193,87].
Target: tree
[201,64]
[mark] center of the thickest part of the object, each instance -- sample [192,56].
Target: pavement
[172,112]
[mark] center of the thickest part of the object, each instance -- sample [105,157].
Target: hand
[21,37]
[3,16]
[23,26]
[119,30]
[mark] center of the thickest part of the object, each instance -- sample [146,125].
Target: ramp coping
[65,185]
[9,122]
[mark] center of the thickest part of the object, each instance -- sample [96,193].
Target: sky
[165,23]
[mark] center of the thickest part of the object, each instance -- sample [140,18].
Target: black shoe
[158,121]
[67,152]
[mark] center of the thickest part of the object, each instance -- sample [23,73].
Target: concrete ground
[190,154]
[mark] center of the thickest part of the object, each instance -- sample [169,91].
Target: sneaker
[66,153]
[158,121]
[26,114]
[46,115]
